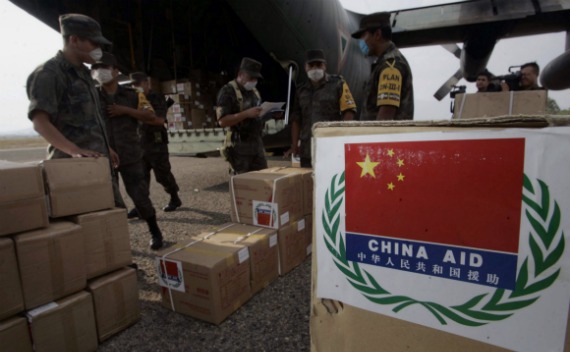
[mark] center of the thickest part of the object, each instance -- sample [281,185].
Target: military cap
[138,77]
[251,67]
[82,26]
[375,20]
[107,59]
[315,55]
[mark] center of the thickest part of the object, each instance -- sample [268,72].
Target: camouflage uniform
[67,94]
[124,139]
[248,153]
[325,102]
[154,141]
[390,84]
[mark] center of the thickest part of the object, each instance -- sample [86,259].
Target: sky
[26,42]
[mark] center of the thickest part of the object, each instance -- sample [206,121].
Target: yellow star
[401,177]
[391,186]
[367,166]
[400,162]
[391,152]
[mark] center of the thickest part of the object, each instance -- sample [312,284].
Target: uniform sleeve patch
[346,99]
[389,87]
[144,103]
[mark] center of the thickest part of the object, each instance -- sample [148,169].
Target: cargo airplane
[177,39]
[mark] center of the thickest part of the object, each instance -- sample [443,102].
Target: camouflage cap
[251,67]
[107,59]
[315,55]
[138,77]
[375,20]
[82,26]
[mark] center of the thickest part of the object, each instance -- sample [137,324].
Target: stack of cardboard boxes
[64,284]
[194,100]
[212,274]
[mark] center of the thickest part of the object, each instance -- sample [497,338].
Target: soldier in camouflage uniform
[390,90]
[154,141]
[238,108]
[323,98]
[64,104]
[123,109]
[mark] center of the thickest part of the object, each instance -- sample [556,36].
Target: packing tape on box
[271,200]
[461,106]
[246,236]
[165,256]
[511,98]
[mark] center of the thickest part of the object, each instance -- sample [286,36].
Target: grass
[22,142]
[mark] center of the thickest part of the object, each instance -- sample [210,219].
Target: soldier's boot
[133,213]
[174,203]
[156,240]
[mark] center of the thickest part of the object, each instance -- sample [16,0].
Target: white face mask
[102,75]
[316,74]
[250,85]
[96,54]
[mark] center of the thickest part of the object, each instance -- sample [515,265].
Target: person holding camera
[528,78]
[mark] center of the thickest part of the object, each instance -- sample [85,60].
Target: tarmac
[275,319]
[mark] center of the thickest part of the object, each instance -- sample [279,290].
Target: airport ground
[276,319]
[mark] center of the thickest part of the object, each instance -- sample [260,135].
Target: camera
[512,79]
[457,90]
[454,91]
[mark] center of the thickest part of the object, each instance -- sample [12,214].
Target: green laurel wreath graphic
[538,272]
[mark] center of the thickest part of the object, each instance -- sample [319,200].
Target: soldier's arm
[347,103]
[387,112]
[46,129]
[389,90]
[223,110]
[145,116]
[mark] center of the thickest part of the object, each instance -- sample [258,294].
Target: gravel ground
[276,319]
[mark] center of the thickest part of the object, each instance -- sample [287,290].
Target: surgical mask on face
[250,85]
[363,47]
[316,74]
[102,75]
[96,54]
[139,89]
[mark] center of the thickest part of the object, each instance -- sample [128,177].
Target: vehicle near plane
[175,39]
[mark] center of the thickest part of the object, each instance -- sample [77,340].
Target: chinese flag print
[456,192]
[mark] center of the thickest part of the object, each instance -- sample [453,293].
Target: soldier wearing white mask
[64,106]
[238,108]
[324,97]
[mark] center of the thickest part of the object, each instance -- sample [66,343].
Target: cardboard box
[22,198]
[65,325]
[106,241]
[307,179]
[531,102]
[292,240]
[208,281]
[11,297]
[116,302]
[51,263]
[78,185]
[15,336]
[338,326]
[263,250]
[267,199]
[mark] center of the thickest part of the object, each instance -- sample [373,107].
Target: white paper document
[268,107]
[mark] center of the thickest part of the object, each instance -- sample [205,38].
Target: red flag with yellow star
[458,192]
